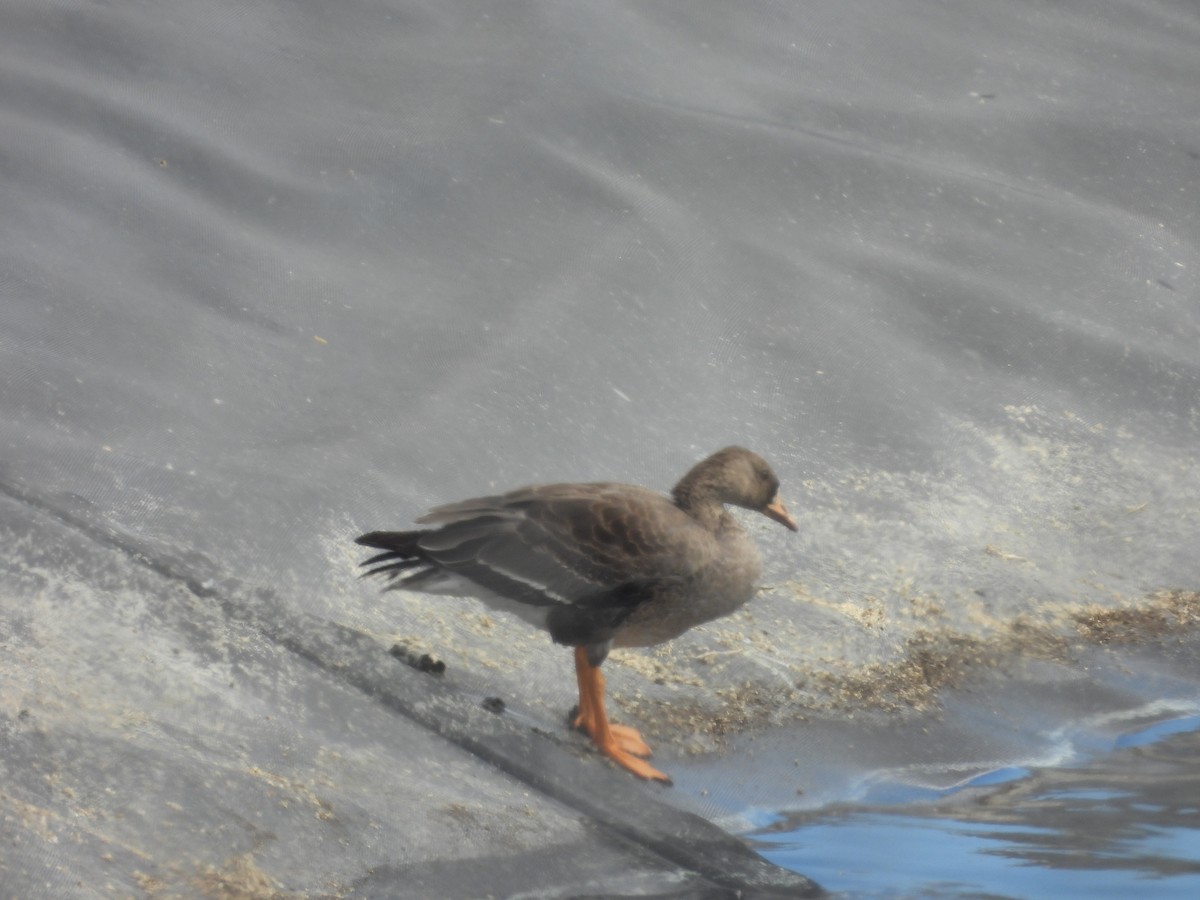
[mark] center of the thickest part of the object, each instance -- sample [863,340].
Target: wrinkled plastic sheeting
[275,274]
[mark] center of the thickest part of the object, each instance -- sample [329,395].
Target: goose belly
[712,594]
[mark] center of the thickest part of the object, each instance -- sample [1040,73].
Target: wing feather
[562,544]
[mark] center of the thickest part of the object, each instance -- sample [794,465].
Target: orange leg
[627,738]
[619,743]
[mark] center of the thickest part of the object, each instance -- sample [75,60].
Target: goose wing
[565,544]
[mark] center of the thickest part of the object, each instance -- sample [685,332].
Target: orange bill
[777,511]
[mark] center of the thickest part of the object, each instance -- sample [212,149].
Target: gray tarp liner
[272,274]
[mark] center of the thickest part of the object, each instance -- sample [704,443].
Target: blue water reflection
[896,855]
[1158,731]
[1120,825]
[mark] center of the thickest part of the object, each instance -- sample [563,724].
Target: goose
[597,566]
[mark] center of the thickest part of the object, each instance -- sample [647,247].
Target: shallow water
[1125,823]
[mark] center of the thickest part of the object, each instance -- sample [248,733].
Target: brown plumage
[596,565]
